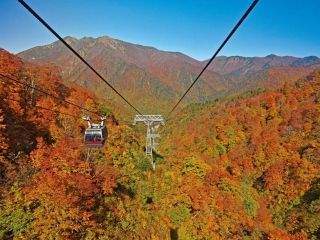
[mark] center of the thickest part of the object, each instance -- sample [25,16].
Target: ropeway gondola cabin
[96,134]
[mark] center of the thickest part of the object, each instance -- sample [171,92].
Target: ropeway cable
[251,7]
[74,52]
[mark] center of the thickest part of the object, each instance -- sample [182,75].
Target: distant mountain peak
[87,39]
[111,42]
[70,39]
[104,37]
[311,58]
[271,56]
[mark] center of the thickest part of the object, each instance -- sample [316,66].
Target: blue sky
[194,27]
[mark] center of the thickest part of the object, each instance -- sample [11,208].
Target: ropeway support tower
[152,122]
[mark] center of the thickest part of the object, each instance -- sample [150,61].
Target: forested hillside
[249,167]
[51,185]
[244,167]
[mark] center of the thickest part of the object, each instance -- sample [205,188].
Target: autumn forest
[242,166]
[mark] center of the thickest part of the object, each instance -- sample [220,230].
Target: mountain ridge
[138,70]
[271,55]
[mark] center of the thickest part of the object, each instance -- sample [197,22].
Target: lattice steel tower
[152,122]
